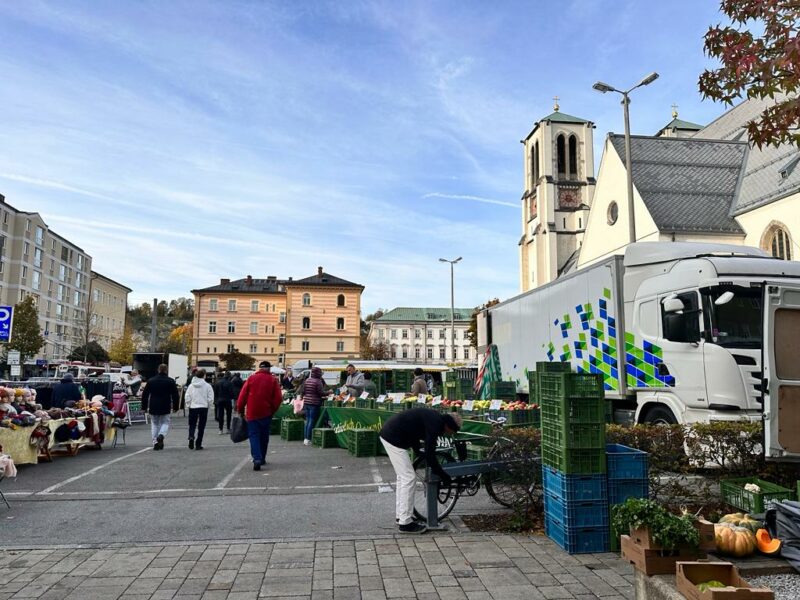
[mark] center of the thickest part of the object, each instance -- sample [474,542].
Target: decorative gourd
[742,520]
[766,544]
[734,541]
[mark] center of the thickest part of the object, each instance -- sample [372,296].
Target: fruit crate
[529,416]
[324,438]
[275,426]
[734,494]
[571,385]
[626,463]
[475,452]
[362,442]
[401,381]
[576,514]
[619,490]
[379,379]
[587,436]
[577,540]
[569,488]
[553,367]
[292,429]
[365,403]
[534,397]
[571,411]
[502,390]
[574,462]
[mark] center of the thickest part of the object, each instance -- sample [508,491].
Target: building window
[340,346]
[405,351]
[253,327]
[417,352]
[76,298]
[281,339]
[306,299]
[36,281]
[404,334]
[393,334]
[253,348]
[253,305]
[282,318]
[37,257]
[212,327]
[28,225]
[231,305]
[380,334]
[394,351]
[612,214]
[573,157]
[441,352]
[24,272]
[212,305]
[305,346]
[417,334]
[430,334]
[466,352]
[455,334]
[230,348]
[231,326]
[430,352]
[340,323]
[561,155]
[535,165]
[443,334]
[340,300]
[306,322]
[776,240]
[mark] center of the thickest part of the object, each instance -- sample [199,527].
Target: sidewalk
[429,567]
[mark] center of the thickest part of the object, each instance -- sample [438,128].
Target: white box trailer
[680,332]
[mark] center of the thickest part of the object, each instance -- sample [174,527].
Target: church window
[613,213]
[535,163]
[561,154]
[776,240]
[573,157]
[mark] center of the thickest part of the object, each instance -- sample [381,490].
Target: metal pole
[452,314]
[154,325]
[631,217]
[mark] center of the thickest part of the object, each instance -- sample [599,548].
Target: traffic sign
[13,357]
[16,370]
[6,319]
[41,362]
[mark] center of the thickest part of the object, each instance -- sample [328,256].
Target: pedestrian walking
[223,401]
[355,381]
[313,390]
[406,430]
[199,398]
[160,398]
[420,386]
[369,385]
[238,384]
[259,399]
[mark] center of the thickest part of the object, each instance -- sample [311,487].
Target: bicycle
[508,487]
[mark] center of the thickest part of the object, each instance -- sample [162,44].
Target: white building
[422,335]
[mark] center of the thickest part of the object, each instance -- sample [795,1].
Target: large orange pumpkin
[742,520]
[766,544]
[734,541]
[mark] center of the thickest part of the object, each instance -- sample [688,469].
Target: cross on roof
[674,111]
[555,104]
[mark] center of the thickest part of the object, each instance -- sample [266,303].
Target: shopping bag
[297,403]
[239,431]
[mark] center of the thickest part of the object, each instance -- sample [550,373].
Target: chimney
[290,278]
[249,280]
[224,281]
[272,278]
[319,271]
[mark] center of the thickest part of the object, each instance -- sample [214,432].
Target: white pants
[159,425]
[406,482]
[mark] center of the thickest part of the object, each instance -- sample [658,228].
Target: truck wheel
[659,415]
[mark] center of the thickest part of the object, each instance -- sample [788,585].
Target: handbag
[239,432]
[297,403]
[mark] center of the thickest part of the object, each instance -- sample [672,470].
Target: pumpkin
[734,541]
[766,544]
[742,520]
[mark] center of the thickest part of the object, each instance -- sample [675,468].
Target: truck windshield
[736,323]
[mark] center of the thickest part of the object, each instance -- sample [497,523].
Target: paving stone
[247,582]
[243,596]
[517,592]
[347,593]
[285,586]
[555,592]
[501,577]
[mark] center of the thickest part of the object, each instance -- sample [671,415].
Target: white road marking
[376,477]
[89,472]
[221,485]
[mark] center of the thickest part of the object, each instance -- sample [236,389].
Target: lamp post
[452,307]
[603,88]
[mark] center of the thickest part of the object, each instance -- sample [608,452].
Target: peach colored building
[280,320]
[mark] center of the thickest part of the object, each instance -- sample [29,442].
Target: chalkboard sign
[135,412]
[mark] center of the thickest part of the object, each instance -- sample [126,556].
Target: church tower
[559,184]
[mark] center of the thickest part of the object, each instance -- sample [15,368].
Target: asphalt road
[132,494]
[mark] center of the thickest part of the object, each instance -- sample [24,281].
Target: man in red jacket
[259,399]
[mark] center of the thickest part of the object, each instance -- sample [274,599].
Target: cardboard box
[708,539]
[652,561]
[689,574]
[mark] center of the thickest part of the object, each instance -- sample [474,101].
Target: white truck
[681,332]
[146,363]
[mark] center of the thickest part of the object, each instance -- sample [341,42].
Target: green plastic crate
[574,411]
[534,396]
[292,429]
[734,494]
[588,436]
[574,462]
[365,403]
[570,385]
[553,367]
[275,426]
[362,442]
[324,438]
[477,452]
[502,390]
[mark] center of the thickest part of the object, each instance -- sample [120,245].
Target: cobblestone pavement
[429,567]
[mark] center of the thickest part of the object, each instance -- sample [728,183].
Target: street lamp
[452,307]
[603,88]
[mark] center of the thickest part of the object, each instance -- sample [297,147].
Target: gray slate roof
[677,123]
[273,284]
[688,185]
[435,315]
[763,182]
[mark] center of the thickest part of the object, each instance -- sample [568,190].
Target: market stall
[17,444]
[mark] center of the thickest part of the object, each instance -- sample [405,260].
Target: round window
[613,213]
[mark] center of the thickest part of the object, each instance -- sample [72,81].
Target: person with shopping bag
[258,401]
[313,391]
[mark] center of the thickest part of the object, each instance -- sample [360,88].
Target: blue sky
[180,142]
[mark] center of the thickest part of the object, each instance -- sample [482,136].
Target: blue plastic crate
[619,490]
[577,540]
[576,514]
[570,488]
[626,463]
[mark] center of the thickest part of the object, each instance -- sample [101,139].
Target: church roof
[430,315]
[677,123]
[687,184]
[559,117]
[772,172]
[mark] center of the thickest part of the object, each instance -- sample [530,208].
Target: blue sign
[40,362]
[6,316]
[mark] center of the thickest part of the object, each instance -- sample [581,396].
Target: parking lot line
[227,479]
[89,472]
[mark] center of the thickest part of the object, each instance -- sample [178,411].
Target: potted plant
[655,528]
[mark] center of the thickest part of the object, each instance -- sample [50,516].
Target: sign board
[398,397]
[468,405]
[422,399]
[13,357]
[496,405]
[40,362]
[437,400]
[135,412]
[381,399]
[6,320]
[364,395]
[16,370]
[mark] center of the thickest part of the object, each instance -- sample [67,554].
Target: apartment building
[422,335]
[280,320]
[108,304]
[36,261]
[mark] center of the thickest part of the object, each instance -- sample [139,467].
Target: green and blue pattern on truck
[592,348]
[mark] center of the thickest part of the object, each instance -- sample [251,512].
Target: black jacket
[406,429]
[160,395]
[238,383]
[64,392]
[223,390]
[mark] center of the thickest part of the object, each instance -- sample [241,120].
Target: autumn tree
[26,335]
[91,352]
[759,52]
[122,349]
[472,330]
[179,341]
[237,361]
[378,350]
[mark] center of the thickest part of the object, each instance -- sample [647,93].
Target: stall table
[17,444]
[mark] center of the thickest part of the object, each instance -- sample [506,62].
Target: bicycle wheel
[518,483]
[446,501]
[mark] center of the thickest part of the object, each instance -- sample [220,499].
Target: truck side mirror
[672,305]
[724,299]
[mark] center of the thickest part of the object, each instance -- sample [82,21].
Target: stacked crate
[324,437]
[502,390]
[401,381]
[574,460]
[627,478]
[543,367]
[459,389]
[362,442]
[292,429]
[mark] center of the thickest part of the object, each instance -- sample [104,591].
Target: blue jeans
[312,416]
[259,439]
